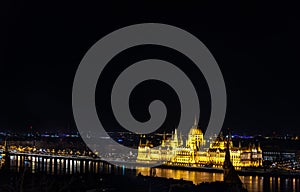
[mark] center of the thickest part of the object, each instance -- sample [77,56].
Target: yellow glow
[193,154]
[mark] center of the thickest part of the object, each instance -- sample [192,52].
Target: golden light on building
[195,153]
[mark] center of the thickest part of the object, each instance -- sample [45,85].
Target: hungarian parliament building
[195,152]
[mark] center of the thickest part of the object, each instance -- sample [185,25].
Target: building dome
[195,131]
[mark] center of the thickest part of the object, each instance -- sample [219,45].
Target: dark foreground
[41,182]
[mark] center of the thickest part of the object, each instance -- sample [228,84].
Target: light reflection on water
[252,183]
[195,176]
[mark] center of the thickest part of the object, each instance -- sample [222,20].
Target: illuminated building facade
[164,153]
[194,153]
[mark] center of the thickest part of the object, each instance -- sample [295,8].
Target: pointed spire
[229,134]
[175,138]
[180,137]
[230,175]
[221,135]
[163,139]
[258,147]
[5,143]
[195,121]
[175,134]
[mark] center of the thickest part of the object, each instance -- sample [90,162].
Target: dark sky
[256,46]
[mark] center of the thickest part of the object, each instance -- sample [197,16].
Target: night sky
[256,46]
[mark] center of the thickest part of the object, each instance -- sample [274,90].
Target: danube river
[252,183]
[65,165]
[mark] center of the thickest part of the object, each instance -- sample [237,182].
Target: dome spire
[195,121]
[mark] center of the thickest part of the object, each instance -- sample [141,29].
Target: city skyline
[130,96]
